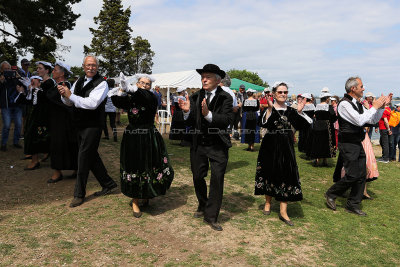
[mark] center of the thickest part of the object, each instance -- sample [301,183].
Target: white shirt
[96,96]
[229,91]
[348,113]
[209,115]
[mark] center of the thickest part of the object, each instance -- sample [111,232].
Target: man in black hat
[209,113]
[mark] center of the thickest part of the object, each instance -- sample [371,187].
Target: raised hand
[204,107]
[184,104]
[300,104]
[380,102]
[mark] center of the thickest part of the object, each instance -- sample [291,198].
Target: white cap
[250,90]
[45,63]
[180,89]
[36,77]
[325,90]
[307,95]
[65,66]
[332,98]
[324,95]
[397,105]
[369,94]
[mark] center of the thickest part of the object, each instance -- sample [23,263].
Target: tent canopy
[187,79]
[235,83]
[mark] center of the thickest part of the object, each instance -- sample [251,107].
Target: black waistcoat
[348,132]
[86,118]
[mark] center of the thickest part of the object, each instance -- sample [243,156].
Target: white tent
[187,79]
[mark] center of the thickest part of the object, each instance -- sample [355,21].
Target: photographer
[9,110]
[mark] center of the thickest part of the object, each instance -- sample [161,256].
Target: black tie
[208,98]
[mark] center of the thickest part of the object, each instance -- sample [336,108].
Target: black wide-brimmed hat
[212,69]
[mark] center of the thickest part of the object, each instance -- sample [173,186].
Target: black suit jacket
[222,116]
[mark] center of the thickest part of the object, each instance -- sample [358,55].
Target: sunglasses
[282,92]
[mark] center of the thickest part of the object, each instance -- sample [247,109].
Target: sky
[309,44]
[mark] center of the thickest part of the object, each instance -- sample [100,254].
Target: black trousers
[200,158]
[354,163]
[112,116]
[89,160]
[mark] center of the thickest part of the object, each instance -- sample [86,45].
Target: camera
[10,74]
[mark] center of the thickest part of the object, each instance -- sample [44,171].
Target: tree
[251,77]
[77,71]
[111,42]
[142,56]
[37,24]
[8,52]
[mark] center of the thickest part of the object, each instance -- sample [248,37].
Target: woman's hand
[64,91]
[184,104]
[300,105]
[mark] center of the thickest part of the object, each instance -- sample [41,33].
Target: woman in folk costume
[305,133]
[250,108]
[145,169]
[323,142]
[178,128]
[64,142]
[37,139]
[277,174]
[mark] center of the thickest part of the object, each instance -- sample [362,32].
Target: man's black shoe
[356,211]
[330,202]
[105,191]
[214,225]
[17,146]
[77,201]
[3,148]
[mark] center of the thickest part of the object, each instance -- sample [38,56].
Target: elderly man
[209,112]
[353,117]
[10,111]
[87,97]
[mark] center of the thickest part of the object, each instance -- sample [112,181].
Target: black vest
[348,132]
[86,118]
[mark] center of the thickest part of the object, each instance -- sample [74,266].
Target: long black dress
[37,135]
[178,127]
[323,141]
[305,133]
[64,141]
[249,121]
[145,169]
[277,174]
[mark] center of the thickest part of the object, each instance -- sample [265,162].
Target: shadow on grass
[236,165]
[175,198]
[235,203]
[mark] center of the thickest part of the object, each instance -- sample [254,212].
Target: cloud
[311,43]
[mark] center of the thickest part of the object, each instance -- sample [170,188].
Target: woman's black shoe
[369,198]
[37,166]
[137,214]
[28,157]
[45,158]
[288,222]
[52,181]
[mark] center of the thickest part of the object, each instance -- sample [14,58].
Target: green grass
[103,232]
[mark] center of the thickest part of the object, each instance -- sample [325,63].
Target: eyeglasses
[282,92]
[93,66]
[143,83]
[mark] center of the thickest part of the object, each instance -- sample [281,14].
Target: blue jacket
[8,93]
